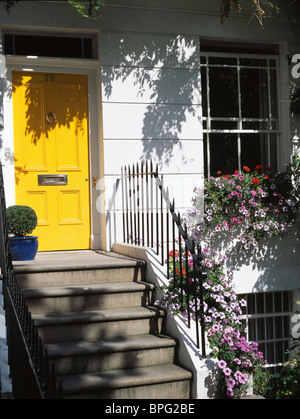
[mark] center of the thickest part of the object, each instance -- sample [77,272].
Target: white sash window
[240,109]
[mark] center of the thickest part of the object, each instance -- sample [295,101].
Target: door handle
[50,117]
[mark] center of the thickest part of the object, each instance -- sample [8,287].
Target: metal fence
[32,375]
[150,220]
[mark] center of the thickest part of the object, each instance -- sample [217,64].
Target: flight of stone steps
[95,318]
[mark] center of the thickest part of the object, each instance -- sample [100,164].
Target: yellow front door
[52,156]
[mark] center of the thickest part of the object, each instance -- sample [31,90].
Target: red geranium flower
[171,253]
[246,168]
[256,181]
[258,168]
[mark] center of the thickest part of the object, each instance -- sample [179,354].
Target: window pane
[223,125]
[286,301]
[223,84]
[256,125]
[254,93]
[204,91]
[286,326]
[269,302]
[253,62]
[278,328]
[88,48]
[252,330]
[273,152]
[261,329]
[260,304]
[223,153]
[270,328]
[222,60]
[8,44]
[280,356]
[273,93]
[251,303]
[278,302]
[253,147]
[270,353]
[205,155]
[50,46]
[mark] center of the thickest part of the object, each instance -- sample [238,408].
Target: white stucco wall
[151,96]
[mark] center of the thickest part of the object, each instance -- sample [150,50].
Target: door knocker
[50,117]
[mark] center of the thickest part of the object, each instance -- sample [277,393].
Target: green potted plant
[21,221]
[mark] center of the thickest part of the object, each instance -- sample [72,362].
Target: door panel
[51,138]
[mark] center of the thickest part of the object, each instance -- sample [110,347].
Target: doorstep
[74,260]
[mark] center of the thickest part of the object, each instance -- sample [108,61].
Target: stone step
[77,268]
[98,324]
[88,297]
[96,356]
[155,382]
[78,277]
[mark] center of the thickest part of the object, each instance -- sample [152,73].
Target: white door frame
[70,66]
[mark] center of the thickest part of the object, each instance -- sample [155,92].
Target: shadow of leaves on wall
[40,97]
[164,74]
[45,109]
[273,264]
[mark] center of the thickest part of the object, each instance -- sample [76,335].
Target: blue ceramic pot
[23,248]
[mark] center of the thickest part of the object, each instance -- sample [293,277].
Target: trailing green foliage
[242,208]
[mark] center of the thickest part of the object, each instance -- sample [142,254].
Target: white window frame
[207,130]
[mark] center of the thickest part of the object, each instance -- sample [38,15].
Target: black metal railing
[31,373]
[150,220]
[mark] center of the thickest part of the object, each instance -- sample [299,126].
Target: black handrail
[32,375]
[150,220]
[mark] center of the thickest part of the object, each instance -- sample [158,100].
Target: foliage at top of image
[89,8]
[261,8]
